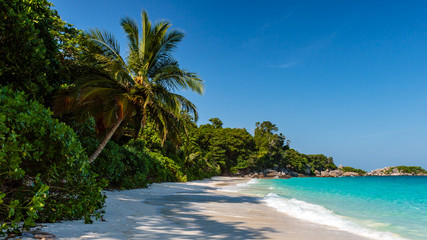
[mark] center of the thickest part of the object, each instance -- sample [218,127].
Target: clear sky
[348,80]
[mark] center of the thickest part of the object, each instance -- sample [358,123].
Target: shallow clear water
[392,207]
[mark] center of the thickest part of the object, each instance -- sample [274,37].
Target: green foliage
[296,161]
[136,88]
[44,174]
[151,139]
[195,164]
[411,169]
[216,122]
[116,164]
[303,163]
[198,168]
[320,162]
[351,169]
[271,146]
[232,150]
[132,165]
[122,168]
[164,169]
[35,47]
[228,147]
[407,169]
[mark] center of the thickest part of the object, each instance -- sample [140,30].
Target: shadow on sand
[188,223]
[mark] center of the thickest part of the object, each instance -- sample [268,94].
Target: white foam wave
[252,181]
[321,215]
[240,186]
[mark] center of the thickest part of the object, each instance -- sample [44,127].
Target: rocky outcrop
[330,173]
[350,174]
[270,173]
[336,173]
[393,171]
[285,173]
[387,171]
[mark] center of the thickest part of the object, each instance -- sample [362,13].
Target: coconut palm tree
[139,87]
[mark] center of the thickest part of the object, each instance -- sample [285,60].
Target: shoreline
[193,210]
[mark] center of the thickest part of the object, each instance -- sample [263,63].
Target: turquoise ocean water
[392,207]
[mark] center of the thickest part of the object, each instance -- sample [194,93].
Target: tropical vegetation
[118,122]
[138,88]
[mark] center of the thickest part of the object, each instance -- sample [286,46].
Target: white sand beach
[192,210]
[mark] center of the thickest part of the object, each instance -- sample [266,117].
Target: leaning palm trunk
[105,140]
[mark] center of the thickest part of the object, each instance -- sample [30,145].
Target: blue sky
[348,80]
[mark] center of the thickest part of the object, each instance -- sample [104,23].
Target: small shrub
[160,168]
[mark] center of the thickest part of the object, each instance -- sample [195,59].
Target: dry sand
[193,210]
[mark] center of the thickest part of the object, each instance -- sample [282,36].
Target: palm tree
[142,86]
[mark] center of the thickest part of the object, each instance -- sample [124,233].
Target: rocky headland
[340,172]
[398,171]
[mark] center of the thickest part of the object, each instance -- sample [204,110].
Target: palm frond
[131,28]
[106,41]
[173,77]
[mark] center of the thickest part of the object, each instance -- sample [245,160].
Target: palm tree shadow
[179,209]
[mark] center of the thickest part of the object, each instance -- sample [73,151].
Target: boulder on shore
[331,173]
[350,174]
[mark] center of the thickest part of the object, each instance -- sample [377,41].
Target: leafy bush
[351,169]
[164,169]
[123,169]
[44,172]
[198,168]
[160,168]
[129,166]
[120,167]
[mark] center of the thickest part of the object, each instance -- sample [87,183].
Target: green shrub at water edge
[44,172]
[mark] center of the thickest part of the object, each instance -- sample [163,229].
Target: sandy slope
[193,210]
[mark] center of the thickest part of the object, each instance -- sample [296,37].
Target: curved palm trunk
[105,140]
